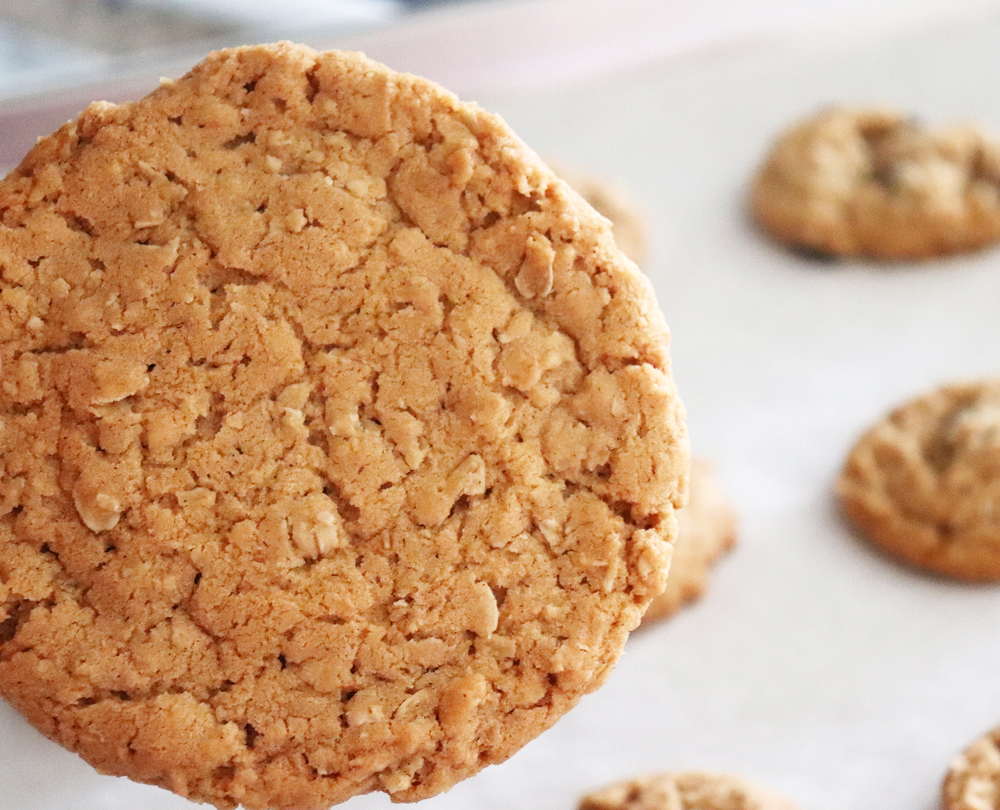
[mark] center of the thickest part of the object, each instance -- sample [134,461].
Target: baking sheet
[814,665]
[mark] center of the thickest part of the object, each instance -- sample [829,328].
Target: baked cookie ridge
[339,450]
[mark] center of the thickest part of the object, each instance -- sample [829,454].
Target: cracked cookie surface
[685,790]
[628,223]
[871,182]
[338,445]
[706,529]
[924,482]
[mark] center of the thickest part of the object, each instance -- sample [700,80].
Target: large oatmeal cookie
[338,446]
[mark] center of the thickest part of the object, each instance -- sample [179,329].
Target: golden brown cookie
[338,446]
[706,529]
[692,790]
[924,482]
[871,182]
[628,223]
[973,780]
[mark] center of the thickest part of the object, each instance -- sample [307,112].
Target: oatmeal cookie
[924,482]
[706,529]
[684,791]
[973,780]
[871,182]
[338,445]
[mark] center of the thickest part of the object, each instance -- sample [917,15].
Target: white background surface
[813,665]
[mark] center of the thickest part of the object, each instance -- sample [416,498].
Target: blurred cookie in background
[923,483]
[692,790]
[871,182]
[973,779]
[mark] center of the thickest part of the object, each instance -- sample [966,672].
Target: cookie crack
[75,341]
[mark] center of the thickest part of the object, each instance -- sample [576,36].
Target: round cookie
[338,446]
[628,223]
[706,529]
[973,780]
[871,182]
[692,790]
[924,482]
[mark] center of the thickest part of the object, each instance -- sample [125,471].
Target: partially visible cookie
[706,528]
[628,223]
[973,780]
[339,450]
[693,790]
[871,182]
[924,482]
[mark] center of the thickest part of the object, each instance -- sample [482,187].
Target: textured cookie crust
[684,791]
[924,482]
[628,223]
[338,446]
[706,529]
[873,183]
[973,780]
